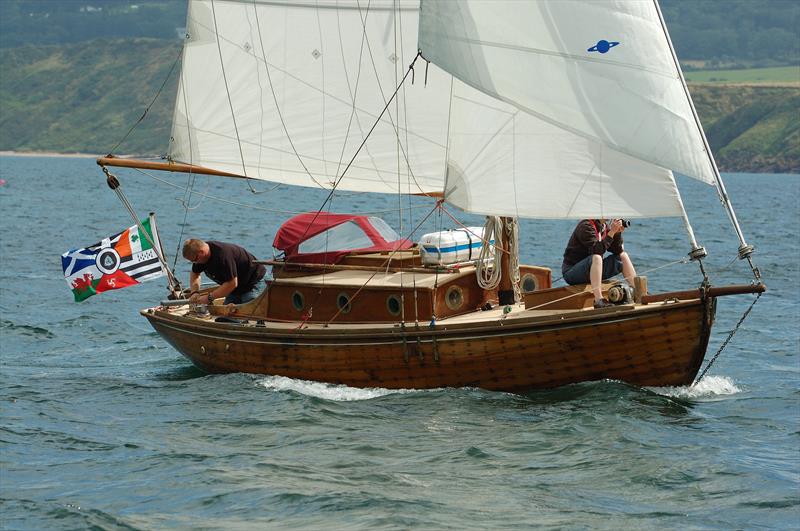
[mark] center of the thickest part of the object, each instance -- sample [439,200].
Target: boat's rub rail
[476,322]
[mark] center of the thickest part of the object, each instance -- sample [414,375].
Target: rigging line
[254,207]
[278,106]
[163,84]
[482,239]
[365,40]
[115,185]
[261,109]
[395,127]
[334,97]
[189,188]
[364,141]
[399,178]
[353,94]
[399,18]
[187,194]
[727,339]
[668,264]
[745,250]
[322,88]
[683,260]
[388,259]
[227,88]
[447,138]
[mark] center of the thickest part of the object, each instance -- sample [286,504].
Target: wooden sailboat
[518,110]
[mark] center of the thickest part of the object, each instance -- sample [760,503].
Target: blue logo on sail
[602,46]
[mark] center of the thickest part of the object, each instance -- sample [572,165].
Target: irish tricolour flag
[122,260]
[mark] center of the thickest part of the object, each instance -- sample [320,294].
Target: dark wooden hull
[650,345]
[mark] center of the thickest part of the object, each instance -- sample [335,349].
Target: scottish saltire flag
[122,260]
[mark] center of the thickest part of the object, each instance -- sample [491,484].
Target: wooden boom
[162,166]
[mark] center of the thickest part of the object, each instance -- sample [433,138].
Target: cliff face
[84,97]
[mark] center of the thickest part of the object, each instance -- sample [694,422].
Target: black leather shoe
[602,303]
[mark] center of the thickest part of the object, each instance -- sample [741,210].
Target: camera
[625,223]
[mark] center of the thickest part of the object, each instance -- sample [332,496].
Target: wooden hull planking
[648,345]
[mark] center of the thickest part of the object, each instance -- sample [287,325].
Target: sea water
[105,426]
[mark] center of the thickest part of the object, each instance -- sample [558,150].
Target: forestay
[540,126]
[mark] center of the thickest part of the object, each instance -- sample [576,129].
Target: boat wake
[709,387]
[326,391]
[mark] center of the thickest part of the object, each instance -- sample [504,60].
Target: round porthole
[528,283]
[393,304]
[298,301]
[343,303]
[454,297]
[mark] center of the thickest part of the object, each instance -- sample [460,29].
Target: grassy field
[777,75]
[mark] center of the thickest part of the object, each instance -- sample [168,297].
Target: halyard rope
[255,207]
[180,53]
[115,185]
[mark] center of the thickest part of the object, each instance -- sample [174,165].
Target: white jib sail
[595,111]
[286,91]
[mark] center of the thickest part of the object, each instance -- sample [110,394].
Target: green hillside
[84,98]
[751,128]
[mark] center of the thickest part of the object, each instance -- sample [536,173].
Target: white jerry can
[451,246]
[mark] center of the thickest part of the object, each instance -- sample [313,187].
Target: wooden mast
[505,291]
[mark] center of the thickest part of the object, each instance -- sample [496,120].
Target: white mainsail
[521,119]
[286,91]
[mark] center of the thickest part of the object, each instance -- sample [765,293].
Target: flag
[122,260]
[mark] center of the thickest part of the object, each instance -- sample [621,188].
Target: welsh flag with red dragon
[122,260]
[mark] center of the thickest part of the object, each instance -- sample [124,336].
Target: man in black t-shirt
[227,264]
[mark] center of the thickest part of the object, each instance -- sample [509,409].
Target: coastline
[47,154]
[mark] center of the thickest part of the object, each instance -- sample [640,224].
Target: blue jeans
[579,273]
[241,298]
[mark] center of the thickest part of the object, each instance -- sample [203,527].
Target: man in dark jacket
[227,264]
[583,257]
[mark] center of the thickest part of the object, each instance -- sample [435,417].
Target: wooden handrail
[342,267]
[720,291]
[162,166]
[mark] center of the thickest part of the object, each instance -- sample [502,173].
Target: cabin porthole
[393,304]
[528,283]
[298,301]
[343,303]
[454,298]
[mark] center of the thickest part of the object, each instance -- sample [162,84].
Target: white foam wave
[339,393]
[709,386]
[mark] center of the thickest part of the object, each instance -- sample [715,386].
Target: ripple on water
[7,326]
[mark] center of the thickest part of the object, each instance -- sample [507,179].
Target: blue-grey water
[105,426]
